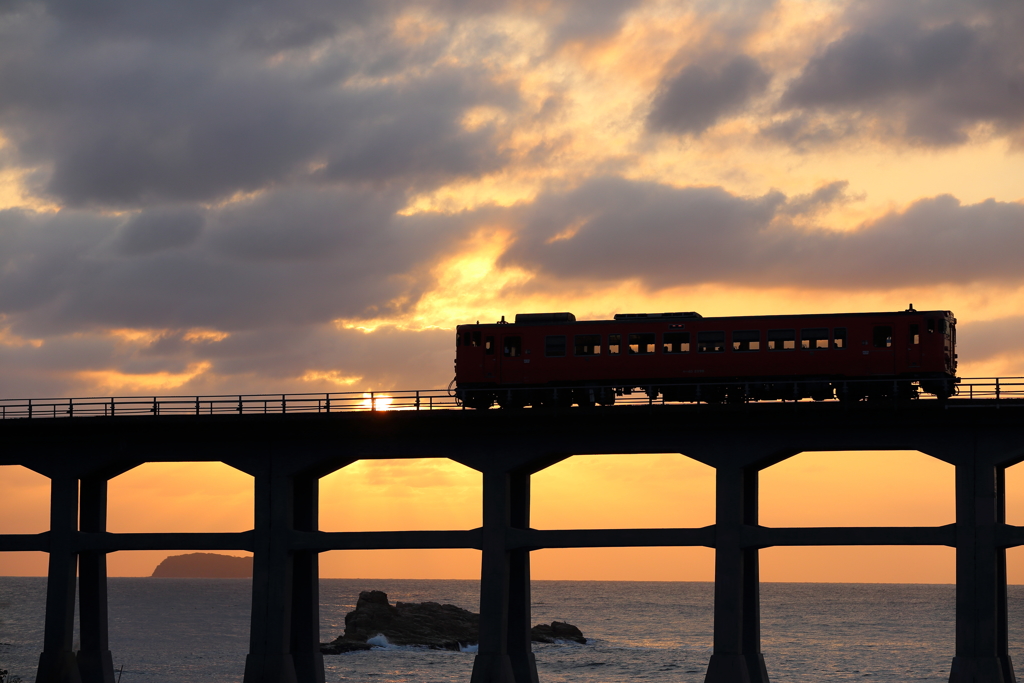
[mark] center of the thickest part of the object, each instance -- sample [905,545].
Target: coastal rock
[428,624]
[557,630]
[204,566]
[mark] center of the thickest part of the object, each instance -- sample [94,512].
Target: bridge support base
[58,667]
[729,668]
[490,668]
[96,667]
[981,670]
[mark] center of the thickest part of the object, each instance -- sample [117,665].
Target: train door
[490,358]
[882,351]
[513,368]
[913,346]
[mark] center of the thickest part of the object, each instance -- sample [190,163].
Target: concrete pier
[288,454]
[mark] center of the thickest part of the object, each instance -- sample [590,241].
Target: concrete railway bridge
[287,443]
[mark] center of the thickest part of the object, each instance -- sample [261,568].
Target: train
[553,359]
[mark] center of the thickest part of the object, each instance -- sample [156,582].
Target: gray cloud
[295,257]
[129,104]
[160,229]
[259,361]
[692,100]
[926,71]
[667,237]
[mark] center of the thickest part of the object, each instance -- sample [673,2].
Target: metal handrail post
[328,395]
[373,403]
[30,409]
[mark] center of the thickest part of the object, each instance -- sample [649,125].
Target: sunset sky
[245,196]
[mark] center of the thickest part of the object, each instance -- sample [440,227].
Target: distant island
[204,566]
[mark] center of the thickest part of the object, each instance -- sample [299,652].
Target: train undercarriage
[734,390]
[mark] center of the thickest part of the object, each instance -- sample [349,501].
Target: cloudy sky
[255,196]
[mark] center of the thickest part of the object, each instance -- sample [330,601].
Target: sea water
[196,630]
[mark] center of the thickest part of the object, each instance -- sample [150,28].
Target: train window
[458,339]
[587,345]
[476,339]
[943,329]
[641,342]
[710,342]
[489,345]
[513,346]
[814,338]
[915,334]
[839,338]
[554,345]
[746,340]
[614,344]
[931,325]
[676,342]
[781,340]
[883,336]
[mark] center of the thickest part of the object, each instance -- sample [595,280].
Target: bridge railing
[972,389]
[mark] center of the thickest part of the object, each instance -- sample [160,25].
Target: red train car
[552,358]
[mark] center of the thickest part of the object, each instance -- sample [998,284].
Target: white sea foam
[471,649]
[379,640]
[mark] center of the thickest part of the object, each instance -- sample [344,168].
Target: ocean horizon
[166,629]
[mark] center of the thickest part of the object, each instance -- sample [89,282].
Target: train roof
[562,318]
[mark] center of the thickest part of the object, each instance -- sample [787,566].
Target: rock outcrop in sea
[204,566]
[428,624]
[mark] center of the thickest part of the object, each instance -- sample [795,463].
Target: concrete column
[737,654]
[94,659]
[493,664]
[520,647]
[305,622]
[981,646]
[270,659]
[57,662]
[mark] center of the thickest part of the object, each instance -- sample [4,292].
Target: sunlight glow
[377,402]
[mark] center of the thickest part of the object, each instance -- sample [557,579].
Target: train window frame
[589,343]
[711,341]
[512,346]
[615,344]
[782,335]
[675,342]
[840,340]
[552,346]
[476,339]
[915,334]
[646,343]
[489,345]
[818,335]
[882,336]
[746,341]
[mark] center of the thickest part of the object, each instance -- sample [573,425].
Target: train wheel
[479,400]
[584,398]
[605,396]
[559,398]
[512,400]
